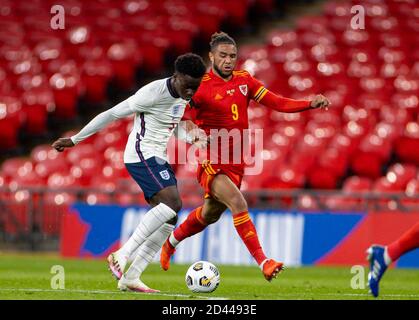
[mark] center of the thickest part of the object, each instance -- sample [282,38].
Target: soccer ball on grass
[202,277]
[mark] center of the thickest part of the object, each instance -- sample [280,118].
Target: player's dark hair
[219,38]
[190,64]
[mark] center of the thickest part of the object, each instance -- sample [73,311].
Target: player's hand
[189,125]
[199,138]
[320,101]
[62,143]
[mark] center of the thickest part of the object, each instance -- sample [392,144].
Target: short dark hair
[190,64]
[219,38]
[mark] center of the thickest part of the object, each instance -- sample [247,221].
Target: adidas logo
[249,234]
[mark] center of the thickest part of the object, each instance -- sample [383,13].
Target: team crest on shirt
[243,89]
[165,175]
[176,109]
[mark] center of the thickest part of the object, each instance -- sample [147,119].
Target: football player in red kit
[380,257]
[221,104]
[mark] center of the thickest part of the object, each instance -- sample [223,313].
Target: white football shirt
[158,110]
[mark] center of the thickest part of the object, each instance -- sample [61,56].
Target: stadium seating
[367,141]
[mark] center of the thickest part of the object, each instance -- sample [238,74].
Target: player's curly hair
[220,37]
[190,64]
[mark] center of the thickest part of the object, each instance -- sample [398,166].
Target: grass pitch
[29,277]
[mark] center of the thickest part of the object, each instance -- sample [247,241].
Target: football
[202,277]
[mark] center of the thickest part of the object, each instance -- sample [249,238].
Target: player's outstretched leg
[151,221]
[135,285]
[192,225]
[196,222]
[144,255]
[225,191]
[381,257]
[378,265]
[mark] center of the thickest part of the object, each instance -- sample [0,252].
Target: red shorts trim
[206,173]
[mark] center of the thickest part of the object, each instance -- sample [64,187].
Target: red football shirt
[223,104]
[221,110]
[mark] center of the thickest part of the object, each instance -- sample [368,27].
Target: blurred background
[335,180]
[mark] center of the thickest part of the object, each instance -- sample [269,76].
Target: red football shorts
[206,173]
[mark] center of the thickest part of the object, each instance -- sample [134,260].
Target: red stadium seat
[412,193]
[13,165]
[406,146]
[334,162]
[93,198]
[37,103]
[66,89]
[401,174]
[124,57]
[287,177]
[86,169]
[95,75]
[322,178]
[60,180]
[82,151]
[11,119]
[384,185]
[357,184]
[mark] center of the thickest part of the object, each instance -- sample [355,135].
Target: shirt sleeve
[121,110]
[262,95]
[256,89]
[143,99]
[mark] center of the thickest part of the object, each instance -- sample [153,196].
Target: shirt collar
[172,90]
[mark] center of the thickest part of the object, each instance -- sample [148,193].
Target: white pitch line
[113,292]
[199,297]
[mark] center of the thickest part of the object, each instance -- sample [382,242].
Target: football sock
[407,242]
[151,221]
[148,250]
[193,224]
[247,232]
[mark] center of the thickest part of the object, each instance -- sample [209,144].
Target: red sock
[192,225]
[248,234]
[407,242]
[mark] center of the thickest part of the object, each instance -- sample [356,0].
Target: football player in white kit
[158,109]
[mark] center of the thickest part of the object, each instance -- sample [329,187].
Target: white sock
[147,251]
[173,241]
[151,221]
[387,258]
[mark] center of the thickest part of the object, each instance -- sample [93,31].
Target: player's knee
[173,221]
[237,203]
[174,203]
[211,218]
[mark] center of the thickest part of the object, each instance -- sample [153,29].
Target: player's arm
[189,132]
[262,95]
[282,104]
[119,111]
[139,102]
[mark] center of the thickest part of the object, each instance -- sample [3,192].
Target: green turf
[29,277]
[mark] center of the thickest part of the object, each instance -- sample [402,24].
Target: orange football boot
[271,268]
[167,252]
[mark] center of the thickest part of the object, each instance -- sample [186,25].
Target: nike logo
[206,281]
